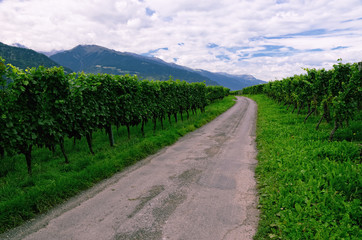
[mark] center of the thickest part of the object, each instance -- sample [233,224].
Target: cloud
[211,45]
[223,57]
[339,47]
[149,11]
[153,52]
[268,39]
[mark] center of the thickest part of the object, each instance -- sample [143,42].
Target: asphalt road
[202,187]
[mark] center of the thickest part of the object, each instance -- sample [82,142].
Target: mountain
[97,59]
[233,82]
[23,58]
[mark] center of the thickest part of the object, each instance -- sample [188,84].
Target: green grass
[309,187]
[22,196]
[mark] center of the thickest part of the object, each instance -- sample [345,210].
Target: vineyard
[43,106]
[335,94]
[64,125]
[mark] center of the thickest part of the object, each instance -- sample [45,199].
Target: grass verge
[22,196]
[310,188]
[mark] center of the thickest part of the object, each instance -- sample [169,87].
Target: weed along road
[201,187]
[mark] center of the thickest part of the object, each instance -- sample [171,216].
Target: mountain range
[97,59]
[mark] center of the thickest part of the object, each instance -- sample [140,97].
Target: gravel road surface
[202,187]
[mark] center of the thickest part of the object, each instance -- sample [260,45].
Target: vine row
[43,106]
[335,94]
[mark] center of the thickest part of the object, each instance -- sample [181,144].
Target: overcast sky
[269,39]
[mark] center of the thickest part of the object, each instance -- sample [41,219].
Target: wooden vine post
[360,66]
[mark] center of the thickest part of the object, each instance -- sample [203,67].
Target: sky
[269,39]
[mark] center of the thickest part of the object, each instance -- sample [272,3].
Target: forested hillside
[26,58]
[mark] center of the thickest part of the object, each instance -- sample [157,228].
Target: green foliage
[216,92]
[309,187]
[237,92]
[345,92]
[335,94]
[256,89]
[43,106]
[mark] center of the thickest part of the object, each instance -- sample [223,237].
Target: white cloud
[241,30]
